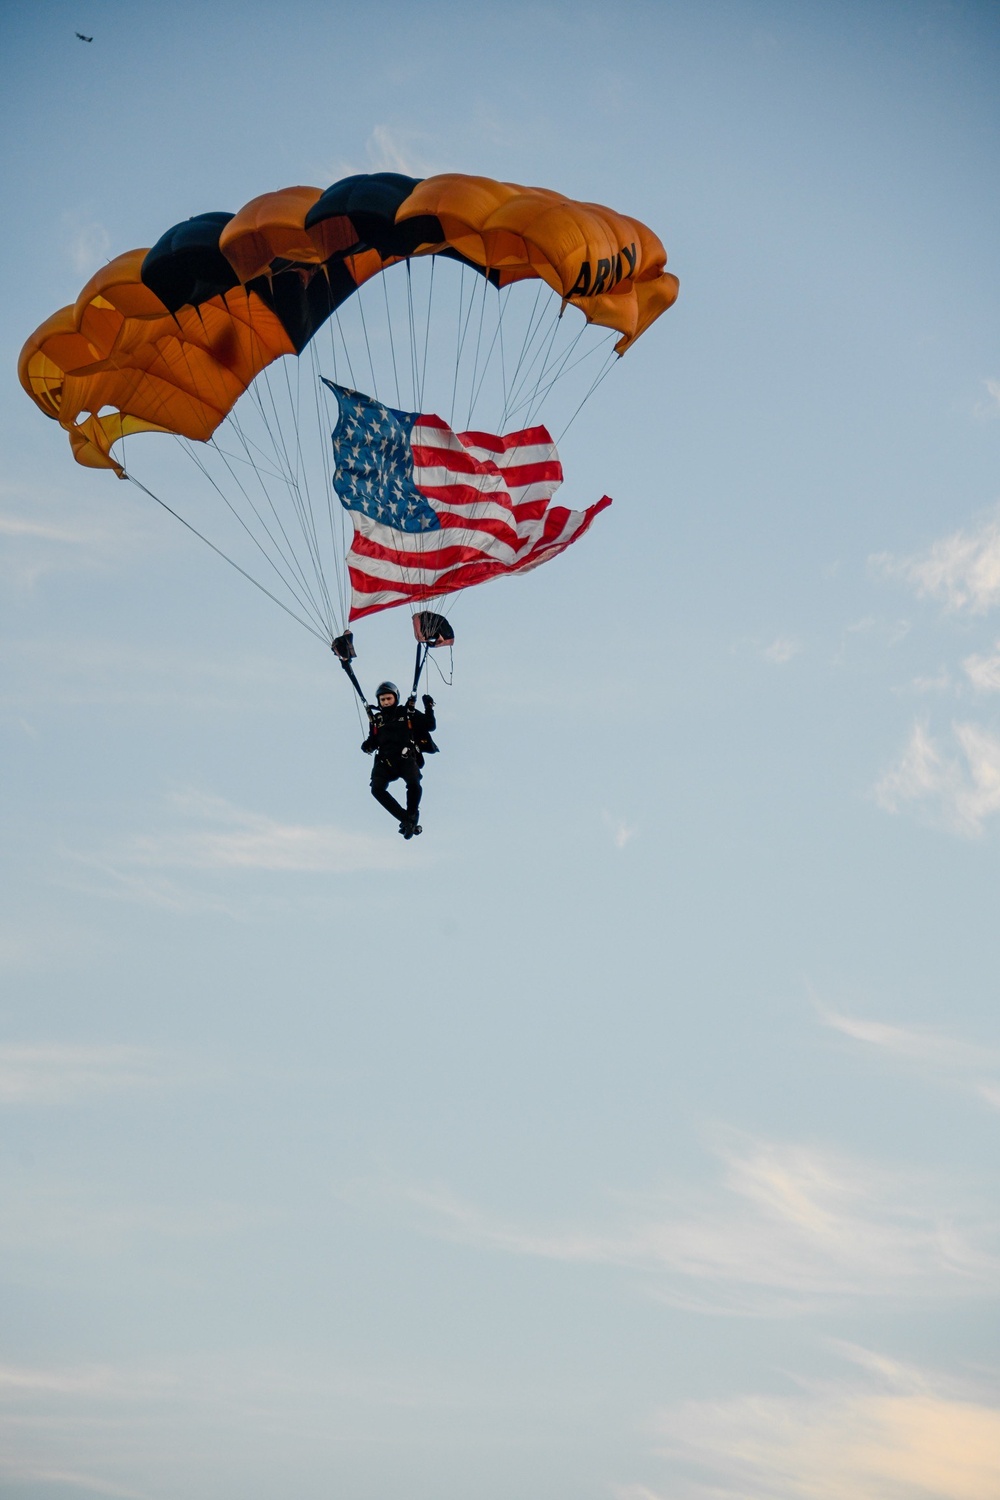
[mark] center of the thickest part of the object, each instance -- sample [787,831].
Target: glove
[368,747]
[428,702]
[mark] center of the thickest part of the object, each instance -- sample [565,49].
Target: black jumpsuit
[397,756]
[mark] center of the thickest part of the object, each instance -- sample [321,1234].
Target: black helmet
[387,687]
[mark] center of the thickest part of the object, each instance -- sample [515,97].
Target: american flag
[436,510]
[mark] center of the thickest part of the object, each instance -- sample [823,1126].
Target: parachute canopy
[168,339]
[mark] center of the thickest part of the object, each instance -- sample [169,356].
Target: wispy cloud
[892,1432]
[33,942]
[107,1427]
[16,950]
[781,650]
[237,839]
[984,671]
[65,669]
[989,406]
[20,526]
[961,570]
[55,1218]
[50,531]
[872,634]
[80,1380]
[777,650]
[938,682]
[958,792]
[785,1227]
[92,1484]
[389,148]
[621,832]
[926,1049]
[63,1075]
[87,242]
[216,840]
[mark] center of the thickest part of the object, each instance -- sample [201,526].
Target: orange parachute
[427,440]
[168,339]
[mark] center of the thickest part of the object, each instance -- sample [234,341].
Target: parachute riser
[343,649]
[423,651]
[356,685]
[430,630]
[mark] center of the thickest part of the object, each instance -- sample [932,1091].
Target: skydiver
[399,738]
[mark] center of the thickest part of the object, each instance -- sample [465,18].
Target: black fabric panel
[398,239]
[303,305]
[493,277]
[370,201]
[186,267]
[377,194]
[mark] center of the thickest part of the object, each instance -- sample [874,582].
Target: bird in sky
[84,38]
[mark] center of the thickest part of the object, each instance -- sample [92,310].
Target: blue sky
[632,1134]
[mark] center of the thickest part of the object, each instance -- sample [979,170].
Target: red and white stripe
[491,496]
